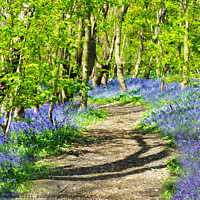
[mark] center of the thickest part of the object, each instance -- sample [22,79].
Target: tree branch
[112,48]
[3,15]
[186,4]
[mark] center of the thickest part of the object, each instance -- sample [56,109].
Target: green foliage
[89,116]
[118,98]
[49,141]
[16,178]
[168,190]
[174,166]
[147,128]
[170,141]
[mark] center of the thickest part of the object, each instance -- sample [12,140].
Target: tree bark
[100,75]
[184,83]
[148,69]
[79,51]
[92,56]
[97,75]
[137,66]
[179,44]
[118,60]
[160,20]
[86,62]
[36,109]
[7,122]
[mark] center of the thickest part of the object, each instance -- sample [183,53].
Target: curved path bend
[116,162]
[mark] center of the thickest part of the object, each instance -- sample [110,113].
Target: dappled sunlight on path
[115,162]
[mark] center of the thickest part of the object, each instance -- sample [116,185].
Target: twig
[60,191]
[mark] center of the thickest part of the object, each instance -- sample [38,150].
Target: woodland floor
[114,162]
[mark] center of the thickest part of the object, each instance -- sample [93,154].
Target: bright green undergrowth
[118,98]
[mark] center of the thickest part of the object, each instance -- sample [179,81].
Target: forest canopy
[50,49]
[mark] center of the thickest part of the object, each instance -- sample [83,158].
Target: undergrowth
[29,141]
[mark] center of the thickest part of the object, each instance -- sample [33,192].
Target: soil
[115,162]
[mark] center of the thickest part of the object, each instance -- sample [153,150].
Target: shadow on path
[115,169]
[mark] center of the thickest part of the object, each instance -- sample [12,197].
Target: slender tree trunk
[36,109]
[147,73]
[92,56]
[19,112]
[50,113]
[86,62]
[184,83]
[163,81]
[161,13]
[179,45]
[97,75]
[108,56]
[100,73]
[137,66]
[123,45]
[7,122]
[148,69]
[104,78]
[118,60]
[114,75]
[79,51]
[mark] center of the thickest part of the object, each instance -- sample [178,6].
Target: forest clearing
[100,99]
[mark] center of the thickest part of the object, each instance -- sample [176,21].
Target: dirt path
[121,164]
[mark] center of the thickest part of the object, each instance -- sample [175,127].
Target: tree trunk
[36,109]
[19,112]
[147,73]
[137,66]
[97,75]
[163,81]
[92,56]
[7,122]
[184,83]
[108,57]
[147,69]
[86,62]
[118,60]
[51,107]
[79,51]
[105,75]
[100,75]
[114,75]
[160,20]
[179,44]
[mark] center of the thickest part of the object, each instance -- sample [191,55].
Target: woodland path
[116,162]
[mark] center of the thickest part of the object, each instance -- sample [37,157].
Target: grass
[117,98]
